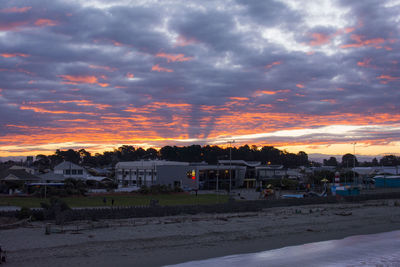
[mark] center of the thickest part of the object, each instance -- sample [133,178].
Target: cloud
[45,22]
[71,79]
[174,58]
[160,69]
[15,9]
[8,55]
[319,39]
[89,73]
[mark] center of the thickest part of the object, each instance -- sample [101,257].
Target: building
[179,174]
[27,169]
[143,172]
[387,181]
[18,175]
[70,170]
[250,176]
[51,177]
[270,172]
[12,179]
[202,176]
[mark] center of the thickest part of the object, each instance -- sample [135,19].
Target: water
[363,250]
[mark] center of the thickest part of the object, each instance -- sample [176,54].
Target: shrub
[144,190]
[177,189]
[24,213]
[55,208]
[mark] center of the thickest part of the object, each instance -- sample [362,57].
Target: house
[27,169]
[70,170]
[18,176]
[12,179]
[51,177]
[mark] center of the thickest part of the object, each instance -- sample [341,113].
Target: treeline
[349,160]
[193,153]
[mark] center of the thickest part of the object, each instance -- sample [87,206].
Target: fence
[230,207]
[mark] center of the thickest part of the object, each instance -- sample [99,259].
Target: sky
[314,76]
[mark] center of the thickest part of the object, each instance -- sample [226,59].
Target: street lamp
[230,164]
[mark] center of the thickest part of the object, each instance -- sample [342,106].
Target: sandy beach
[171,240]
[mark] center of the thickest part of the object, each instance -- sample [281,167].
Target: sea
[381,250]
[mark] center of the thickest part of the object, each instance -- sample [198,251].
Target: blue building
[387,181]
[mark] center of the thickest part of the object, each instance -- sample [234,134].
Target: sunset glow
[99,75]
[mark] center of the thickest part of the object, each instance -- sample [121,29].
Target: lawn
[120,200]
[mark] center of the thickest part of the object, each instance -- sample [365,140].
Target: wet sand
[170,240]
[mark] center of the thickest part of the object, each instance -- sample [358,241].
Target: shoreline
[178,239]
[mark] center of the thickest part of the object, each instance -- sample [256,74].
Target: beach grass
[124,200]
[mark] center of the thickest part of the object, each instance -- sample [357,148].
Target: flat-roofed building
[143,172]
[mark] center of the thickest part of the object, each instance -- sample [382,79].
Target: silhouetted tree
[390,160]
[331,162]
[349,160]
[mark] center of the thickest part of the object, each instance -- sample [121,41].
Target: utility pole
[230,165]
[354,162]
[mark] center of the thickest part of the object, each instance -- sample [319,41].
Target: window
[73,172]
[67,171]
[80,171]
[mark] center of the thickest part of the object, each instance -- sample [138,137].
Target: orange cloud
[45,22]
[158,130]
[299,85]
[267,92]
[376,42]
[10,26]
[364,63]
[349,30]
[239,98]
[71,79]
[102,68]
[183,41]
[42,110]
[319,39]
[15,9]
[273,64]
[387,78]
[116,43]
[174,58]
[160,69]
[8,55]
[130,75]
[171,105]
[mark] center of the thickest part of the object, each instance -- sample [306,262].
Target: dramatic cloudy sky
[300,75]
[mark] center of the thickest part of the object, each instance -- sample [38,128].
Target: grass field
[119,200]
